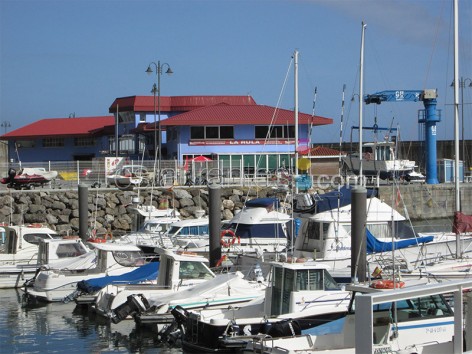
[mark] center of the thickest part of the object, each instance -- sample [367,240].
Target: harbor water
[60,328]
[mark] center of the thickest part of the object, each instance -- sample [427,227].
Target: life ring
[387,284]
[221,260]
[231,240]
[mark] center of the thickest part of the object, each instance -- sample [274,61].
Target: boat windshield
[413,309]
[154,227]
[189,230]
[35,237]
[194,270]
[129,258]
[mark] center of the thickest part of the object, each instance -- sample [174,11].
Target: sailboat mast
[456,103]
[456,118]
[295,61]
[361,100]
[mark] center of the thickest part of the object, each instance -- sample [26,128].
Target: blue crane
[429,118]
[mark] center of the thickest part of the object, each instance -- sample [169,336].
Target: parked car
[130,175]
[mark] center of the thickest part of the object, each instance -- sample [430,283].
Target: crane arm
[394,96]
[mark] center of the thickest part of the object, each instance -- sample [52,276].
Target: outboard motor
[284,328]
[11,175]
[135,303]
[180,315]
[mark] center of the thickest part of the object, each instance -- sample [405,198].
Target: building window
[25,144]
[274,132]
[212,132]
[84,141]
[53,142]
[226,132]
[218,132]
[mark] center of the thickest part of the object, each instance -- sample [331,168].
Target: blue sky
[69,56]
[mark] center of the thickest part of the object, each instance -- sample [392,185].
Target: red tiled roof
[223,114]
[325,151]
[61,126]
[175,103]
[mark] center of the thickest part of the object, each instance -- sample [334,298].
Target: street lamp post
[158,68]
[5,125]
[462,84]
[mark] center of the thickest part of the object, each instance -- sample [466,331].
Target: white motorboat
[301,294]
[152,234]
[176,272]
[20,253]
[262,227]
[378,159]
[326,237]
[183,280]
[190,233]
[55,284]
[414,319]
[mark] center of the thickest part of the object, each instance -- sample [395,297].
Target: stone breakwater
[113,209]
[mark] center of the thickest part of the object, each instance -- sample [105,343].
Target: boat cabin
[51,250]
[190,233]
[379,151]
[327,235]
[114,255]
[413,314]
[290,283]
[16,238]
[178,267]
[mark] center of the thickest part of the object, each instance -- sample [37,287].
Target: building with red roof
[227,128]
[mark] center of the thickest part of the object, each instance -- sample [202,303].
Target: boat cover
[462,223]
[376,246]
[329,200]
[263,203]
[144,273]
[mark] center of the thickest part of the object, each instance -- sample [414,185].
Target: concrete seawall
[426,201]
[112,208]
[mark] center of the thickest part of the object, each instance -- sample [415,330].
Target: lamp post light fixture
[462,84]
[5,124]
[157,89]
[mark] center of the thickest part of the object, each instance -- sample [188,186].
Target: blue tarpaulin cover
[329,200]
[144,273]
[375,246]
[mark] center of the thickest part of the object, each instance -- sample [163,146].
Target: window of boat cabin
[190,230]
[34,238]
[193,270]
[9,241]
[285,281]
[129,258]
[317,230]
[414,309]
[275,230]
[69,250]
[383,152]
